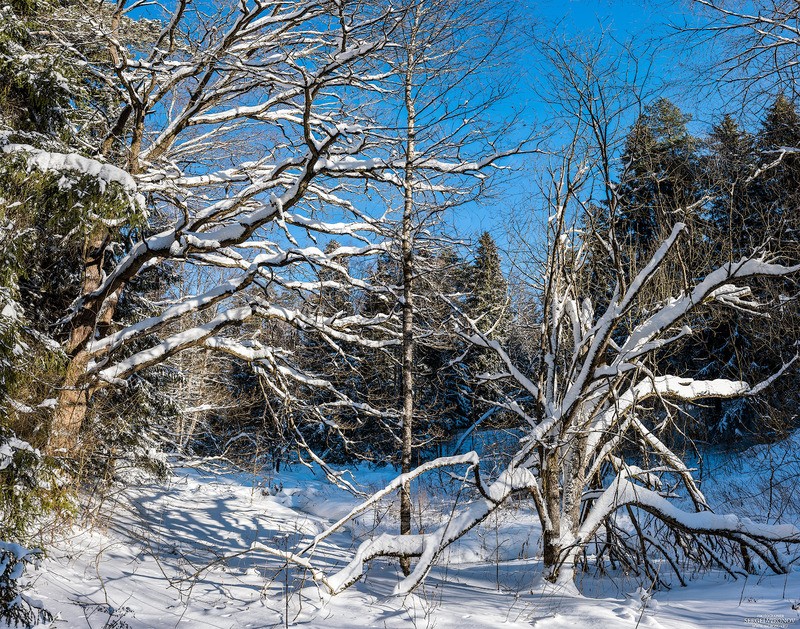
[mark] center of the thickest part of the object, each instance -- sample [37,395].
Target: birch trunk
[407,245]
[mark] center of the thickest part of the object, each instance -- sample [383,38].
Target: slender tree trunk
[407,245]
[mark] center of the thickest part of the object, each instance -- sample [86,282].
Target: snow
[48,161]
[178,553]
[172,344]
[10,311]
[7,451]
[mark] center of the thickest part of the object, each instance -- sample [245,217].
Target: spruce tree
[487,303]
[58,223]
[772,216]
[488,289]
[658,184]
[779,190]
[735,222]
[732,229]
[744,212]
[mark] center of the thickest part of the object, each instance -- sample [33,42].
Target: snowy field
[170,554]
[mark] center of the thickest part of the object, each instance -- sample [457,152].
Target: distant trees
[731,190]
[486,289]
[659,182]
[488,302]
[447,370]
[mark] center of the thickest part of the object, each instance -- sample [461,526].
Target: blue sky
[645,22]
[649,25]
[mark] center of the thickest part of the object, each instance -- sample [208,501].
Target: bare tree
[243,128]
[256,133]
[595,399]
[446,62]
[754,45]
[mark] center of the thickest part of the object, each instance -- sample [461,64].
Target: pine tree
[779,190]
[733,228]
[744,213]
[735,222]
[661,184]
[45,216]
[488,303]
[57,223]
[488,289]
[658,185]
[771,216]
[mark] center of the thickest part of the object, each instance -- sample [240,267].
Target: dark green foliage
[735,228]
[660,184]
[750,214]
[488,304]
[737,192]
[487,289]
[30,486]
[779,190]
[736,222]
[659,179]
[50,218]
[34,90]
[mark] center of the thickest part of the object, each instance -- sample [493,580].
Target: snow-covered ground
[175,554]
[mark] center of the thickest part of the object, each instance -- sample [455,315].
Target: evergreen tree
[488,289]
[735,219]
[732,230]
[779,189]
[743,212]
[771,216]
[488,303]
[442,380]
[52,219]
[659,182]
[58,224]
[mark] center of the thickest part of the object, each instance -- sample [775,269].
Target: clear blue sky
[647,25]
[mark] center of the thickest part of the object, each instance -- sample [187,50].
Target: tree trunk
[407,245]
[71,406]
[73,398]
[551,530]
